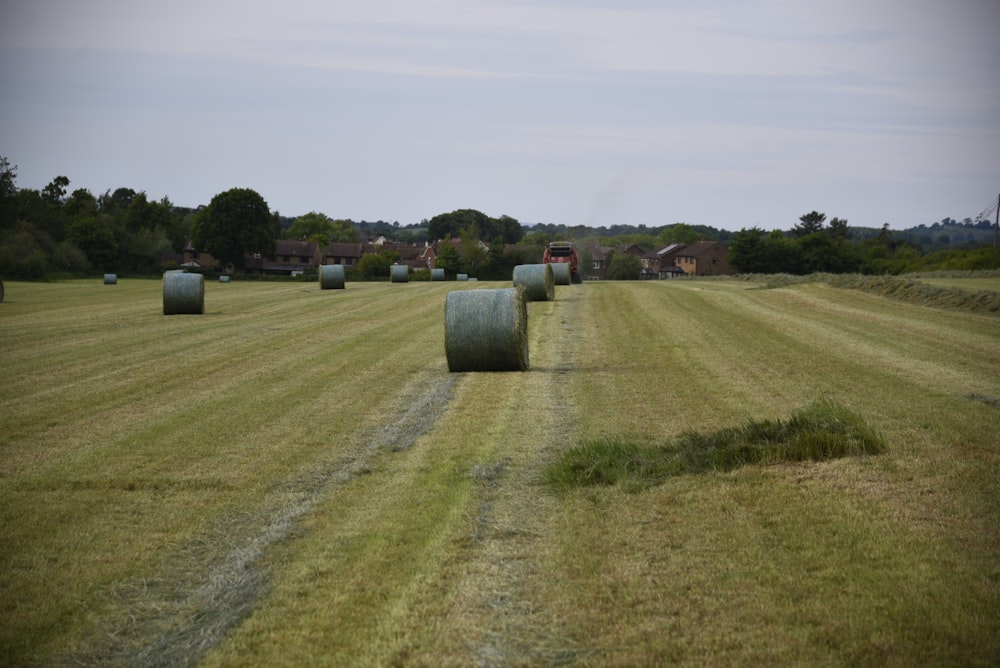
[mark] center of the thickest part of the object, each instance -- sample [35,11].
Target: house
[409,254]
[600,256]
[291,258]
[597,263]
[705,258]
[663,262]
[346,254]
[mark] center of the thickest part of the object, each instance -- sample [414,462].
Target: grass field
[295,478]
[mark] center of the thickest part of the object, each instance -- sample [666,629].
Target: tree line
[58,231]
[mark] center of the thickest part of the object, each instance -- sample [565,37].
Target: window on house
[597,265]
[286,258]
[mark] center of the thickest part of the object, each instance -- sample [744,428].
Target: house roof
[343,249]
[294,247]
[672,248]
[694,250]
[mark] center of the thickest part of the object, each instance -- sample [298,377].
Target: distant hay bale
[462,277]
[331,277]
[110,279]
[537,281]
[486,330]
[437,274]
[223,279]
[562,274]
[400,273]
[183,293]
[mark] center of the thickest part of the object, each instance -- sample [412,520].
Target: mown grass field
[295,478]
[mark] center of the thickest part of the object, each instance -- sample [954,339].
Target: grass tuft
[823,430]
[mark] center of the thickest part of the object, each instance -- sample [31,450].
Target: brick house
[346,254]
[705,258]
[663,262]
[291,258]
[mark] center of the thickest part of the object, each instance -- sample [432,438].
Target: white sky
[597,112]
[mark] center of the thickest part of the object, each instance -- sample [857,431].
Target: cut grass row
[453,550]
[130,436]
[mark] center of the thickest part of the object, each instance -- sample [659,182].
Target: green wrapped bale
[562,273]
[537,280]
[331,277]
[110,279]
[400,273]
[462,277]
[437,274]
[223,279]
[486,330]
[183,293]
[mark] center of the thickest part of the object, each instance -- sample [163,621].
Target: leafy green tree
[473,254]
[747,252]
[234,223]
[95,237]
[838,228]
[823,253]
[623,266]
[56,190]
[376,265]
[81,204]
[8,193]
[21,256]
[782,254]
[677,233]
[451,225]
[809,223]
[448,259]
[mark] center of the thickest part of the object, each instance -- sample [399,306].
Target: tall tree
[8,193]
[838,228]
[809,223]
[234,223]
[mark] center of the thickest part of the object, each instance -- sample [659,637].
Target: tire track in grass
[508,624]
[213,584]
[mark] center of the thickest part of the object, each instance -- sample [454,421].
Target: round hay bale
[537,280]
[400,273]
[110,279]
[331,277]
[437,274]
[562,273]
[183,293]
[462,277]
[486,330]
[223,279]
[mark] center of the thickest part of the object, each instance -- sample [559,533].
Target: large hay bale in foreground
[562,273]
[437,274]
[400,273]
[183,293]
[110,279]
[537,280]
[331,277]
[486,330]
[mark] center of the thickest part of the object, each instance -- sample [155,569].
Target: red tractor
[563,252]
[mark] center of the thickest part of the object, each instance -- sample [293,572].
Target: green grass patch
[823,430]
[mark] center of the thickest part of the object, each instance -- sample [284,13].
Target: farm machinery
[563,252]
